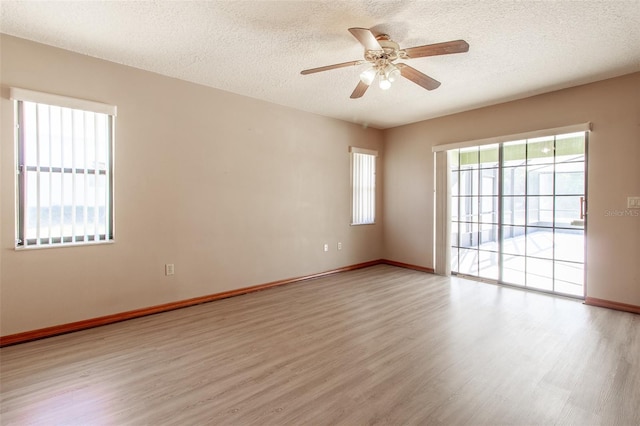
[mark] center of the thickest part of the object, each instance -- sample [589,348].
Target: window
[523,224]
[64,169]
[363,185]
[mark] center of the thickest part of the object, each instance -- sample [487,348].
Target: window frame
[357,191]
[22,242]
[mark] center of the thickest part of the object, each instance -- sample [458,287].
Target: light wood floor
[381,345]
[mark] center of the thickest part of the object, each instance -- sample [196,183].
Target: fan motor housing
[390,50]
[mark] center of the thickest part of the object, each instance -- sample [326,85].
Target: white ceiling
[258,48]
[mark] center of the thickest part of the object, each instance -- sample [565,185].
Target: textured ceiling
[258,48]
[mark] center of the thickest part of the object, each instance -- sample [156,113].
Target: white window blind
[442,253]
[65,166]
[363,185]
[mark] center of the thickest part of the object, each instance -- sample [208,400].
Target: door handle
[582,209]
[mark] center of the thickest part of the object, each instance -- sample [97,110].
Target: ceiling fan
[381,52]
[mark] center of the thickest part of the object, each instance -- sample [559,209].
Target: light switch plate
[633,202]
[169,269]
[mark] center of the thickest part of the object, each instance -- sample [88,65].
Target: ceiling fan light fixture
[380,52]
[384,82]
[368,75]
[391,72]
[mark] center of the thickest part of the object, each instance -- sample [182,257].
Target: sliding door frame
[442,200]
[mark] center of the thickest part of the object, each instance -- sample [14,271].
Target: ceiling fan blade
[456,46]
[366,38]
[331,67]
[417,77]
[359,90]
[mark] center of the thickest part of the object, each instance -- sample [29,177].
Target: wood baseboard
[612,305]
[407,266]
[26,336]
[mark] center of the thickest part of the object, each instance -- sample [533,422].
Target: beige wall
[613,243]
[237,192]
[234,191]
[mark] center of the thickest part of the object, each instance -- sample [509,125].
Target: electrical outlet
[339,246]
[633,202]
[169,269]
[326,247]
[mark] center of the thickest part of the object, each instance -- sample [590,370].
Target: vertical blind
[363,176]
[64,170]
[442,262]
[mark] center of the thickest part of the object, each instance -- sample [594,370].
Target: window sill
[54,246]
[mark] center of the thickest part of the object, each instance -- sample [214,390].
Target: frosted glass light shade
[367,76]
[385,84]
[392,72]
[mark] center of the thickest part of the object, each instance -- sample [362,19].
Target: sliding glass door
[517,212]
